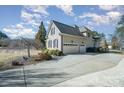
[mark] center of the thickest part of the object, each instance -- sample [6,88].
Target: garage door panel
[82,49]
[71,49]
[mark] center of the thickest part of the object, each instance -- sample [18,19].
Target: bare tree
[28,45]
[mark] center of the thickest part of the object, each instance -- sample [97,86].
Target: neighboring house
[122,45]
[91,41]
[68,39]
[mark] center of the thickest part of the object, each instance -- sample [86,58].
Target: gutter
[72,35]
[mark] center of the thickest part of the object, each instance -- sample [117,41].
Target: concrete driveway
[50,73]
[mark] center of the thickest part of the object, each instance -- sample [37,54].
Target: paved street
[52,72]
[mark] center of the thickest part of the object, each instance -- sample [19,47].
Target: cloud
[109,17]
[108,7]
[68,9]
[26,16]
[114,16]
[30,19]
[18,30]
[98,19]
[40,9]
[33,15]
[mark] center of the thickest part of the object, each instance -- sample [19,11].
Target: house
[68,39]
[122,45]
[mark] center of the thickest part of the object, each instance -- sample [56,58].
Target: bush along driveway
[53,72]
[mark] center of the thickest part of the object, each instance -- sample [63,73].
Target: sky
[23,21]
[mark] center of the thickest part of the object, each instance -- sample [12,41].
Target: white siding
[53,37]
[89,42]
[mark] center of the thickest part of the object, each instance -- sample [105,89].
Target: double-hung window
[55,43]
[50,43]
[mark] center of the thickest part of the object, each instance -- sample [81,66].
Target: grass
[6,59]
[7,56]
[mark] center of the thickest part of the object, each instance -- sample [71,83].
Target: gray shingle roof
[84,29]
[66,29]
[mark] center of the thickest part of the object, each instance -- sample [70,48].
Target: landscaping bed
[10,60]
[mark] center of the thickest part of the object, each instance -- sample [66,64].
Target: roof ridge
[63,23]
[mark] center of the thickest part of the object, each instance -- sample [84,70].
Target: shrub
[37,58]
[53,52]
[91,49]
[43,56]
[17,63]
[99,50]
[58,53]
[46,51]
[102,50]
[1,64]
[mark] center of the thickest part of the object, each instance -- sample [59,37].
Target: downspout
[62,43]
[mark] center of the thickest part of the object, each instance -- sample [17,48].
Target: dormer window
[52,31]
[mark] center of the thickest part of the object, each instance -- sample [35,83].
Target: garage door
[70,48]
[73,48]
[82,48]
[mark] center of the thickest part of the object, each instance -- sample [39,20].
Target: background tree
[103,42]
[96,37]
[40,36]
[3,39]
[3,35]
[114,42]
[120,31]
[95,33]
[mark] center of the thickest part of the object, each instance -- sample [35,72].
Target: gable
[52,27]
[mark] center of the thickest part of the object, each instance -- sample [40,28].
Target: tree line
[117,40]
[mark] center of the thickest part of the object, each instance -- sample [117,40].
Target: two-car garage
[73,44]
[73,48]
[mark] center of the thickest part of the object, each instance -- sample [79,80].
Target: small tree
[3,39]
[120,31]
[95,33]
[114,42]
[3,35]
[103,42]
[28,45]
[96,37]
[40,36]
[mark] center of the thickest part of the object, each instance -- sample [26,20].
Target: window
[70,44]
[53,31]
[55,43]
[50,43]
